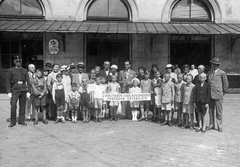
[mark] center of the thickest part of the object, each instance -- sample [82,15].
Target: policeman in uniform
[18,87]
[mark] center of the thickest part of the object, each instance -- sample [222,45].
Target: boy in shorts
[85,92]
[178,98]
[168,94]
[188,102]
[98,90]
[73,102]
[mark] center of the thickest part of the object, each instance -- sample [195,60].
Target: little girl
[39,86]
[59,98]
[135,104]
[114,88]
[73,102]
[156,84]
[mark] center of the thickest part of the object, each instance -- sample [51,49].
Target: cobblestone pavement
[121,143]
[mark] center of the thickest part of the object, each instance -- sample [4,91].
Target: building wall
[229,60]
[149,49]
[73,48]
[226,11]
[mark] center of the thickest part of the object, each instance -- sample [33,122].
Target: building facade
[145,32]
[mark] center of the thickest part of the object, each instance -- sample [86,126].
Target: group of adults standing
[19,85]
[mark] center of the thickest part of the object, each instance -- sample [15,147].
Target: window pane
[98,9]
[6,61]
[5,47]
[199,11]
[14,48]
[10,7]
[31,7]
[181,10]
[117,9]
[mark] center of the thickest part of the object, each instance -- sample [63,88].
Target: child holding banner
[168,94]
[114,88]
[134,104]
[104,105]
[146,87]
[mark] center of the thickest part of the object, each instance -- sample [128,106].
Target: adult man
[193,71]
[219,85]
[30,101]
[125,78]
[106,71]
[78,77]
[18,87]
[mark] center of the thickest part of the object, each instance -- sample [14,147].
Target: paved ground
[121,143]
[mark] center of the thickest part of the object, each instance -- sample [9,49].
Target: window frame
[190,19]
[23,16]
[93,18]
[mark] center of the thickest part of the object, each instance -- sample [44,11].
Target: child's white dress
[114,88]
[134,104]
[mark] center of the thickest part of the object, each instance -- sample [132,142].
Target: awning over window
[117,27]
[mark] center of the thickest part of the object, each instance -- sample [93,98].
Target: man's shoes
[35,122]
[11,125]
[210,127]
[45,121]
[164,123]
[111,119]
[199,129]
[220,129]
[22,123]
[170,124]
[28,119]
[115,119]
[58,120]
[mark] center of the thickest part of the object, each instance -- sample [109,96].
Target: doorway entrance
[190,49]
[107,47]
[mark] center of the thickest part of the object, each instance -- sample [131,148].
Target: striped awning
[117,27]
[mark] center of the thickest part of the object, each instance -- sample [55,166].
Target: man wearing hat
[72,70]
[18,88]
[80,75]
[219,84]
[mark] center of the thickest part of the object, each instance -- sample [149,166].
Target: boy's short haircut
[190,76]
[180,75]
[74,84]
[59,75]
[203,75]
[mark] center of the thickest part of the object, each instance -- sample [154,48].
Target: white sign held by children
[127,97]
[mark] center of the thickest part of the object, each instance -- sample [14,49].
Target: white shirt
[193,72]
[98,91]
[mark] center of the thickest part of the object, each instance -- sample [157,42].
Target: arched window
[191,11]
[20,8]
[107,10]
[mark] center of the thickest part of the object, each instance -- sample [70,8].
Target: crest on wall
[53,46]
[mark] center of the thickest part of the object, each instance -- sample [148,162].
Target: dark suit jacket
[124,80]
[218,84]
[202,94]
[102,73]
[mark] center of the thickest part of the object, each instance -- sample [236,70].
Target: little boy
[156,96]
[146,87]
[168,94]
[202,99]
[178,98]
[188,102]
[85,92]
[98,90]
[59,98]
[73,102]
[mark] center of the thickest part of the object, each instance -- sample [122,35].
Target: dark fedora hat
[215,60]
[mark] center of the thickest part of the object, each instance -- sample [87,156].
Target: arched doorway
[111,47]
[191,49]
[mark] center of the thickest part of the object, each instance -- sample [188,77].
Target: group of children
[168,96]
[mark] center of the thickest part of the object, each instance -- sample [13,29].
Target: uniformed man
[18,87]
